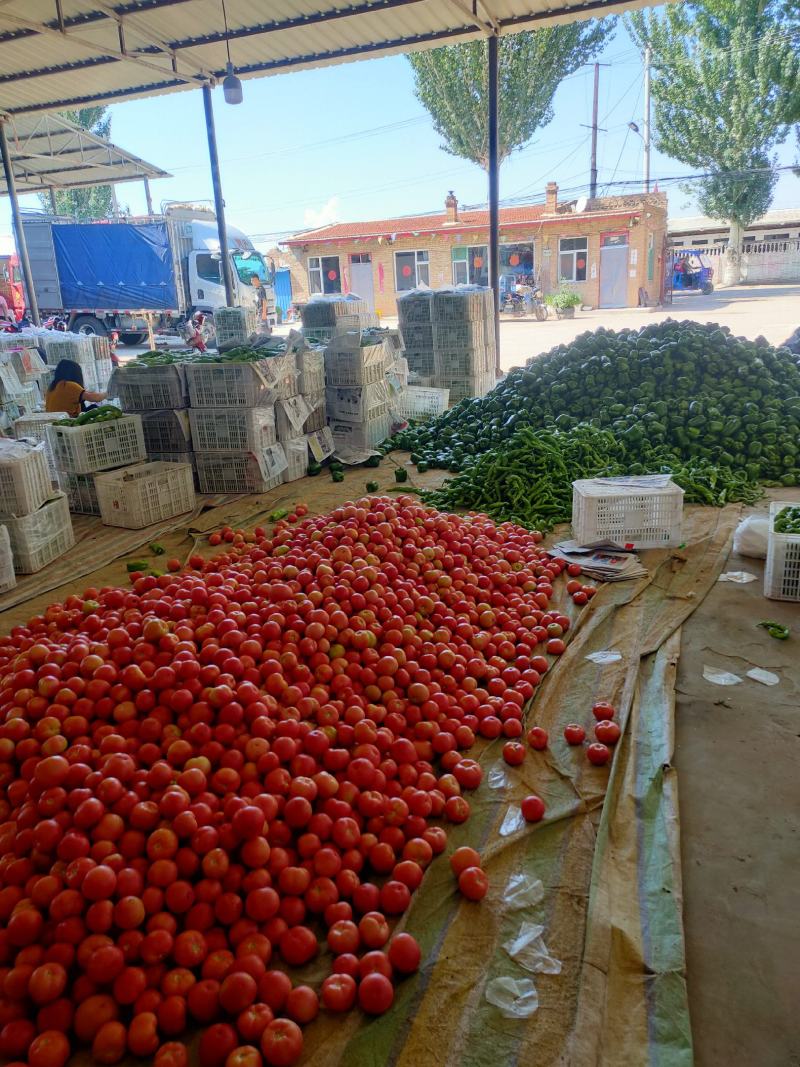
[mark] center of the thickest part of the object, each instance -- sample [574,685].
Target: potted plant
[564,302]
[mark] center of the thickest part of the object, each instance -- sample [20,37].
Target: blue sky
[352,141]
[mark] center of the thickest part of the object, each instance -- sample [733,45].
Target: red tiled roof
[509,216]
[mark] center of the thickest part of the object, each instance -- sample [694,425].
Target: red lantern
[581,262]
[477,262]
[332,275]
[406,271]
[513,259]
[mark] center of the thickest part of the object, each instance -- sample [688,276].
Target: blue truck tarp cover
[115,266]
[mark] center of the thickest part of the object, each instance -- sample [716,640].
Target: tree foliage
[726,89]
[94,202]
[452,83]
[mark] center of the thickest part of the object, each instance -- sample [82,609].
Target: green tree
[96,201]
[726,89]
[452,84]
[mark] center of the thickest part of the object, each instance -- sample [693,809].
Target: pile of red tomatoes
[215,776]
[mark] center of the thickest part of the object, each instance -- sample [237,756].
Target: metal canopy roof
[57,54]
[48,152]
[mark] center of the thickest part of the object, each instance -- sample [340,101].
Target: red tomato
[607,732]
[111,1043]
[513,753]
[537,738]
[244,1056]
[281,1043]
[404,953]
[338,992]
[375,994]
[49,1049]
[532,808]
[574,733]
[216,1044]
[302,1004]
[473,883]
[603,710]
[598,754]
[462,858]
[373,929]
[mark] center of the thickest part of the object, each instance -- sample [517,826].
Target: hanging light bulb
[231,85]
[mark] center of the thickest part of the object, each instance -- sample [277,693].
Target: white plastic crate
[259,384]
[291,416]
[148,388]
[167,431]
[7,577]
[98,446]
[176,457]
[329,310]
[25,481]
[28,364]
[140,496]
[462,362]
[360,435]
[348,368]
[311,371]
[474,333]
[318,418]
[462,303]
[419,404]
[103,369]
[296,459]
[10,385]
[471,385]
[782,574]
[645,512]
[359,404]
[234,325]
[397,373]
[417,335]
[101,346]
[81,492]
[232,429]
[39,538]
[34,428]
[416,305]
[240,472]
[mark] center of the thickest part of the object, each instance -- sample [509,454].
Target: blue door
[283,289]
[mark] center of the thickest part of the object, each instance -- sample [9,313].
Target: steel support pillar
[19,233]
[219,203]
[494,190]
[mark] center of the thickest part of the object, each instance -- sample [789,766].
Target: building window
[775,237]
[478,265]
[572,255]
[324,275]
[208,267]
[516,266]
[360,257]
[460,269]
[411,270]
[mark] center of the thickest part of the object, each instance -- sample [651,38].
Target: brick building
[608,250]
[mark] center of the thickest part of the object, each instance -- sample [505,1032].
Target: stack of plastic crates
[296,452]
[98,446]
[327,311]
[8,578]
[415,316]
[636,512]
[25,482]
[463,341]
[145,494]
[421,403]
[233,326]
[311,386]
[34,428]
[356,392]
[232,429]
[44,535]
[782,574]
[257,384]
[12,392]
[225,473]
[75,346]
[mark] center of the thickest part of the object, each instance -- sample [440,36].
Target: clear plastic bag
[523,891]
[515,997]
[529,951]
[751,537]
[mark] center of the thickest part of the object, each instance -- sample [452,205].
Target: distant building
[701,232]
[609,250]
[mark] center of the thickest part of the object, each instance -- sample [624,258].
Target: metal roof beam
[45,30]
[488,26]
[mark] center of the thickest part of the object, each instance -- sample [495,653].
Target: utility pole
[593,172]
[648,54]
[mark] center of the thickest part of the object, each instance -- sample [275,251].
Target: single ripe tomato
[537,738]
[404,953]
[607,732]
[375,993]
[574,569]
[281,1043]
[574,734]
[532,808]
[555,646]
[338,992]
[513,753]
[598,754]
[462,858]
[603,710]
[473,883]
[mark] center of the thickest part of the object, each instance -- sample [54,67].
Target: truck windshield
[249,263]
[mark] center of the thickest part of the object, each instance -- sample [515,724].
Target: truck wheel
[708,288]
[133,338]
[89,325]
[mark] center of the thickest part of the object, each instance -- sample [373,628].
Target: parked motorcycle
[524,300]
[198,331]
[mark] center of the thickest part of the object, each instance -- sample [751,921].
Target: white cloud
[328,213]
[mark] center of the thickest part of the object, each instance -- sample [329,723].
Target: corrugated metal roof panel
[143,47]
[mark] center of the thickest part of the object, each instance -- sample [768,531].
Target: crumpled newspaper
[529,950]
[515,997]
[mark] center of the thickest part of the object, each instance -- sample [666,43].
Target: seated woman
[66,392]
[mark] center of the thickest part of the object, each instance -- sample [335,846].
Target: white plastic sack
[751,537]
[516,998]
[529,951]
[523,891]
